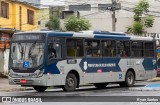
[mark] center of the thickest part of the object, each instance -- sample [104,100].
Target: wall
[6,58]
[2,61]
[25,26]
[7,22]
[43,17]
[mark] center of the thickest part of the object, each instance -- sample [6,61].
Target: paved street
[5,87]
[89,95]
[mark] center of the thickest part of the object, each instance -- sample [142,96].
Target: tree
[76,24]
[141,22]
[53,23]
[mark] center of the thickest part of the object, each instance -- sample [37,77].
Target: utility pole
[113,21]
[114,6]
[113,9]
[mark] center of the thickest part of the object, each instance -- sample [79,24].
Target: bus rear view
[26,59]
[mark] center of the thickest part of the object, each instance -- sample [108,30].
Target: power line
[92,14]
[132,10]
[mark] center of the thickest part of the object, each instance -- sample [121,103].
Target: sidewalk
[5,87]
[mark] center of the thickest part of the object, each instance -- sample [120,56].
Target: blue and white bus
[68,59]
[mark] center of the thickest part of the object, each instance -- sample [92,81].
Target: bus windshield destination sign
[19,37]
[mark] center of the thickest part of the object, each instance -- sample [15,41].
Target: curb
[154,79]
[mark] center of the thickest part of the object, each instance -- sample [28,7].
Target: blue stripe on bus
[52,68]
[108,33]
[112,37]
[148,64]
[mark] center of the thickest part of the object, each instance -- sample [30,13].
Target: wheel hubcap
[70,82]
[130,79]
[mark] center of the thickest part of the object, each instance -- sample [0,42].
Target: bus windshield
[26,55]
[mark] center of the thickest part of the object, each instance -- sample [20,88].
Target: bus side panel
[65,67]
[97,70]
[55,79]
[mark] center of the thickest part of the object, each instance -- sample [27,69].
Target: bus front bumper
[41,81]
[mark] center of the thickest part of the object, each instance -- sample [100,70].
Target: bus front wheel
[71,82]
[129,80]
[100,85]
[40,88]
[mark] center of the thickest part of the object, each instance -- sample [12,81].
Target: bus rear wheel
[40,88]
[71,83]
[129,80]
[100,85]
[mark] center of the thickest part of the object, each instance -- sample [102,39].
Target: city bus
[70,59]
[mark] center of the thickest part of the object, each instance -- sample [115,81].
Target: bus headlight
[11,73]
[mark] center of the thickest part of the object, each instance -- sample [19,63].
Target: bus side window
[51,51]
[58,48]
[108,48]
[92,48]
[74,47]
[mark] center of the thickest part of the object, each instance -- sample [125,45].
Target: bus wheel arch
[71,81]
[130,78]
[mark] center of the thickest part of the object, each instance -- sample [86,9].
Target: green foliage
[139,21]
[76,24]
[149,21]
[137,28]
[53,23]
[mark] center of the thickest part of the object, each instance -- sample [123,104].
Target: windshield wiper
[31,49]
[21,50]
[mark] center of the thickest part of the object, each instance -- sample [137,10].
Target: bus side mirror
[14,48]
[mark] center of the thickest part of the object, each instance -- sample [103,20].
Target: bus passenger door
[54,55]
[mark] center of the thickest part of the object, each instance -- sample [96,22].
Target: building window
[84,7]
[30,17]
[4,10]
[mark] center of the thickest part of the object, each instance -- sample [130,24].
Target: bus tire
[100,85]
[129,80]
[40,88]
[71,83]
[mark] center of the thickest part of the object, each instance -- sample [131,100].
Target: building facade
[47,9]
[14,15]
[96,11]
[18,15]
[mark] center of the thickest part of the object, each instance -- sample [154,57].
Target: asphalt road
[112,94]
